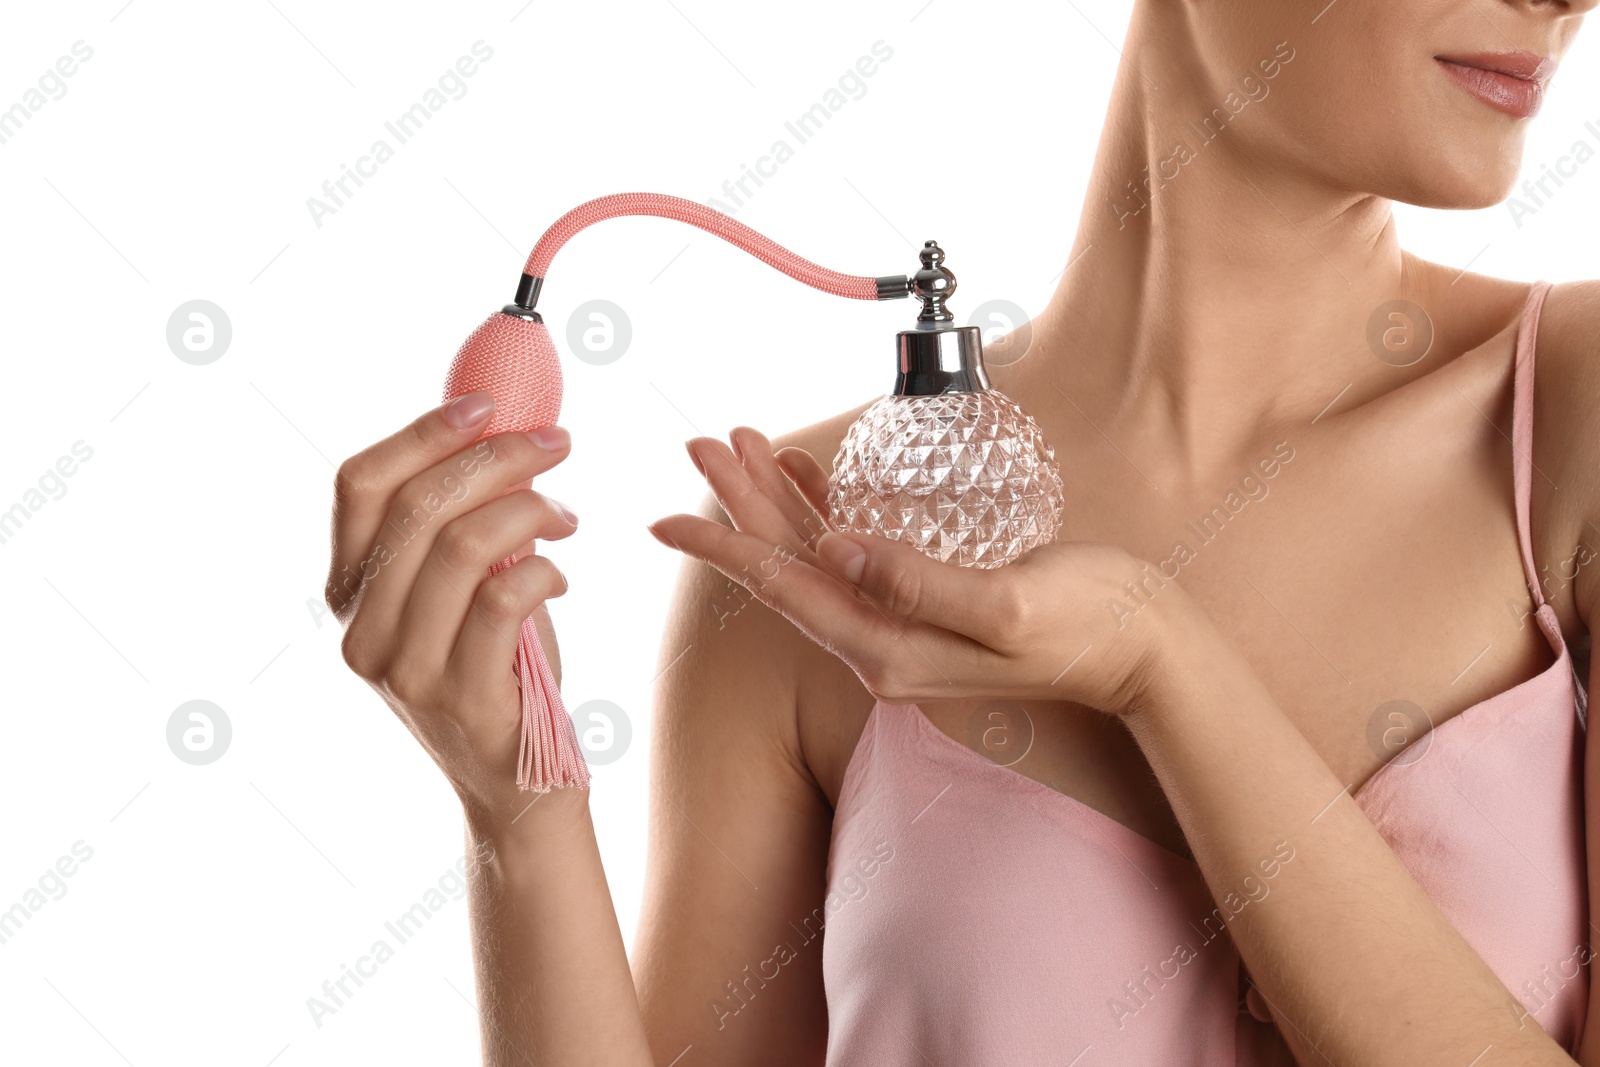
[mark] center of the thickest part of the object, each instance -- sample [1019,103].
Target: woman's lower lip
[1513,96]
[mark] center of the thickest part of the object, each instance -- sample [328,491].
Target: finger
[367,481]
[482,665]
[745,503]
[824,608]
[911,585]
[808,476]
[753,448]
[465,549]
[891,656]
[430,500]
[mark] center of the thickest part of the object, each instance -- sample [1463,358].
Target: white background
[185,559]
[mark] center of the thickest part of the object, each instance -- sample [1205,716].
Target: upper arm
[738,839]
[1566,450]
[1589,1046]
[1566,522]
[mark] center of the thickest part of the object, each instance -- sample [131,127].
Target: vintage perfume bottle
[946,463]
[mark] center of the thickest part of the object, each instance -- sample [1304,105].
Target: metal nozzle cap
[937,356]
[934,359]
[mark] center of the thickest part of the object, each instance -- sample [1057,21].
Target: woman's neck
[1210,293]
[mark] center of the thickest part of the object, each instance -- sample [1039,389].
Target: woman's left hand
[914,629]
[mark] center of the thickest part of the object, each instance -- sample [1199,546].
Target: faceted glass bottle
[967,477]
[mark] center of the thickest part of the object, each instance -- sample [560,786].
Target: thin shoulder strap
[1522,472]
[1522,433]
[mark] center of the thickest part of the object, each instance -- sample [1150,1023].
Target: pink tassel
[548,757]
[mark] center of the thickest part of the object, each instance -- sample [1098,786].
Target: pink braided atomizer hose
[512,356]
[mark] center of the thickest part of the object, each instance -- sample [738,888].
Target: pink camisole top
[977,917]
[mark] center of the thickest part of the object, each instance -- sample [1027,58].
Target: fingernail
[843,555]
[566,512]
[694,458]
[469,410]
[550,438]
[659,536]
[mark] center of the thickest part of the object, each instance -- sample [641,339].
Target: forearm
[553,979]
[1355,960]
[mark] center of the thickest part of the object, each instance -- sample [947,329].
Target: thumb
[909,584]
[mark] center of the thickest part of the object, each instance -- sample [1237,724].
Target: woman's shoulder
[1564,502]
[738,672]
[832,705]
[1569,332]
[1566,444]
[822,439]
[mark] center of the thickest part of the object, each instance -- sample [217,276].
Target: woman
[1321,507]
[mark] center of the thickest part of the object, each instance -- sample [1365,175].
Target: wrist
[534,824]
[1179,643]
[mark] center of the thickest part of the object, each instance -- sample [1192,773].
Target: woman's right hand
[418,519]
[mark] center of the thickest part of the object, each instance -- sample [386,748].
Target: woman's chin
[1466,189]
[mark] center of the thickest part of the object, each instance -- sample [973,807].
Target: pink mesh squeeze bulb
[944,462]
